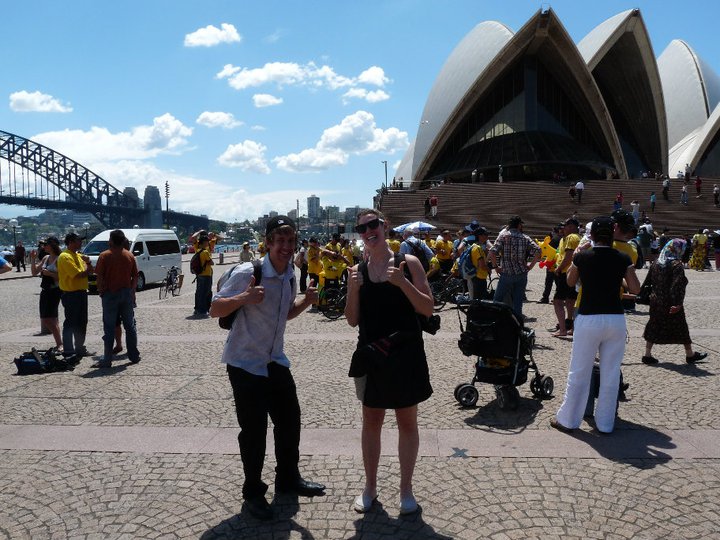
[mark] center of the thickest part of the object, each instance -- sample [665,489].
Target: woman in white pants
[599,327]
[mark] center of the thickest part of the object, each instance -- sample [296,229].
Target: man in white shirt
[258,368]
[579,187]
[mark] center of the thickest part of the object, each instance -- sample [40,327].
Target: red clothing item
[116,269]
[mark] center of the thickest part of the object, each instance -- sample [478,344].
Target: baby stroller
[503,346]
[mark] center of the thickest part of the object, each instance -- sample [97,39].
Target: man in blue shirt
[258,368]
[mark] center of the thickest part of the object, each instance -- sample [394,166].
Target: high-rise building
[313,205]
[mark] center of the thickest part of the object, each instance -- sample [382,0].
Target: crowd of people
[591,268]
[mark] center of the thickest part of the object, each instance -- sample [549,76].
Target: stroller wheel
[507,397]
[536,387]
[547,385]
[457,389]
[467,395]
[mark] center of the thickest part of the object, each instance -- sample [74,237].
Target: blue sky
[245,107]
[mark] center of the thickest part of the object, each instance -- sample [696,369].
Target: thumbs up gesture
[253,294]
[354,280]
[311,293]
[396,276]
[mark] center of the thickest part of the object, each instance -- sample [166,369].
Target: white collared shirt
[257,334]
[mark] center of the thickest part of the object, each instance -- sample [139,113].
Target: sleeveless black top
[403,380]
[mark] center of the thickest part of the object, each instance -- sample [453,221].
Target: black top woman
[386,292]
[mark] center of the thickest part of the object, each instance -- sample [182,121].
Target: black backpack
[419,252]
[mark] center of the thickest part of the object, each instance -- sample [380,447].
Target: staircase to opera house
[544,204]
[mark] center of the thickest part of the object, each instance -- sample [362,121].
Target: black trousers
[549,280]
[303,278]
[257,397]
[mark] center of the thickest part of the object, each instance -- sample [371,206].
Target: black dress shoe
[301,487]
[259,508]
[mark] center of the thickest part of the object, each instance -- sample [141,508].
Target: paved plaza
[150,450]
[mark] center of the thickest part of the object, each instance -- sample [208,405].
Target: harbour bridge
[36,176]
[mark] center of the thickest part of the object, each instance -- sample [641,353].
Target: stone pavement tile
[198,496]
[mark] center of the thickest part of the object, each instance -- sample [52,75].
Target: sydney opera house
[531,105]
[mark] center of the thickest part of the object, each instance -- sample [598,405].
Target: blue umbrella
[415,226]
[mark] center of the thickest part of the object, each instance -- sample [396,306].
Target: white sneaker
[363,503]
[408,505]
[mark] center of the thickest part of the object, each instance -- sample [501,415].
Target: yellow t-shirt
[569,242]
[314,263]
[205,259]
[434,267]
[394,245]
[333,247]
[429,242]
[478,254]
[444,250]
[333,268]
[69,265]
[348,254]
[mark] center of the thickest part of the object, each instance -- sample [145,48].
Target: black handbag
[643,297]
[367,357]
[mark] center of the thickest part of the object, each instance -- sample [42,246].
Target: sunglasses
[372,224]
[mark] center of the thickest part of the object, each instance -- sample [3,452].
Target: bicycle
[332,302]
[445,290]
[170,284]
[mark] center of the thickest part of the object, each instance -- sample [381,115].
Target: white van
[155,250]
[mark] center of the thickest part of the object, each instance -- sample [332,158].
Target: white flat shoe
[408,505]
[363,503]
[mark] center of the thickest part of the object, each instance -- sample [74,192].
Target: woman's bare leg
[371,428]
[408,444]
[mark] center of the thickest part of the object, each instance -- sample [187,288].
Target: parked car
[155,250]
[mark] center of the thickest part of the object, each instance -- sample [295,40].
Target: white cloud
[24,101]
[258,128]
[290,73]
[198,195]
[166,135]
[356,134]
[212,35]
[274,37]
[373,75]
[218,119]
[247,156]
[371,96]
[266,100]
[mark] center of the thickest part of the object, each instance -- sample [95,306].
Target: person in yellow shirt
[315,266]
[434,272]
[565,296]
[443,251]
[429,242]
[477,284]
[73,269]
[212,240]
[203,289]
[392,242]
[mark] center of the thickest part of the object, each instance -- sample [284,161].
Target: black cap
[71,237]
[52,240]
[481,231]
[278,221]
[623,217]
[514,221]
[602,226]
[573,221]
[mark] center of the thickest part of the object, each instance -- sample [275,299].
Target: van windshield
[96,247]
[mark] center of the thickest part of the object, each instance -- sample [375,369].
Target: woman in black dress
[386,292]
[50,291]
[667,322]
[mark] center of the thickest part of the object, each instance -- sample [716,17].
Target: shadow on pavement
[104,372]
[490,414]
[630,443]
[377,523]
[689,370]
[243,525]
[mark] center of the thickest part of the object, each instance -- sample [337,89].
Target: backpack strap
[257,270]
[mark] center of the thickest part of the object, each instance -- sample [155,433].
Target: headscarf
[673,251]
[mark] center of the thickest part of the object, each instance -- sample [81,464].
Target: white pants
[593,333]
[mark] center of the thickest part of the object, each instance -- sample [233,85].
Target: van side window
[138,249]
[163,247]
